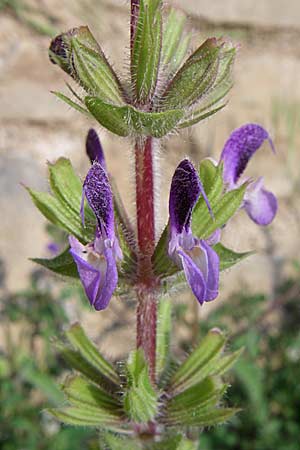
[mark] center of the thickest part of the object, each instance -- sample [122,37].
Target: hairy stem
[134,12]
[146,282]
[145,196]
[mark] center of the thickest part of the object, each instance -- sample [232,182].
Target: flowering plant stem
[146,282]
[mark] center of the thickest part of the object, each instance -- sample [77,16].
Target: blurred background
[259,300]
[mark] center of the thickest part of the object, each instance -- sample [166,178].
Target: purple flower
[198,260]
[94,148]
[96,262]
[260,204]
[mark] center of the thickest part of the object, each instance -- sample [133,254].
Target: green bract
[101,396]
[161,97]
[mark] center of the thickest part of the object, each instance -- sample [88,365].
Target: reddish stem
[145,196]
[146,325]
[146,283]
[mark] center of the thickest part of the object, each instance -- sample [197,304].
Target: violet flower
[97,261]
[94,148]
[198,260]
[260,204]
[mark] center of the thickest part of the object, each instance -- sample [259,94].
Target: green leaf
[146,49]
[174,44]
[162,264]
[156,124]
[177,442]
[140,400]
[56,212]
[223,82]
[202,223]
[114,442]
[62,264]
[71,103]
[81,393]
[196,116]
[82,343]
[114,118]
[212,180]
[194,396]
[85,417]
[229,258]
[202,419]
[226,362]
[195,77]
[75,360]
[198,364]
[83,59]
[163,333]
[217,92]
[66,186]
[127,120]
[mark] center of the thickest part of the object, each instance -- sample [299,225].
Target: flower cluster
[97,261]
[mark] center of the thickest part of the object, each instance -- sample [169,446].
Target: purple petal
[211,269]
[98,272]
[184,193]
[260,204]
[193,276]
[90,276]
[201,268]
[94,148]
[110,282]
[99,196]
[239,148]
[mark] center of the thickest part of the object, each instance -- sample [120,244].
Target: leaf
[79,55]
[198,361]
[223,82]
[81,392]
[162,264]
[177,442]
[146,49]
[229,258]
[75,360]
[163,333]
[140,400]
[85,417]
[127,120]
[114,442]
[62,264]
[66,186]
[82,343]
[114,118]
[212,179]
[212,417]
[203,225]
[54,210]
[194,396]
[71,103]
[156,124]
[226,362]
[196,116]
[194,78]
[174,44]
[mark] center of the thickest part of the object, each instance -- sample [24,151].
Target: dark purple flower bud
[185,191]
[260,204]
[60,52]
[94,148]
[97,261]
[198,260]
[97,190]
